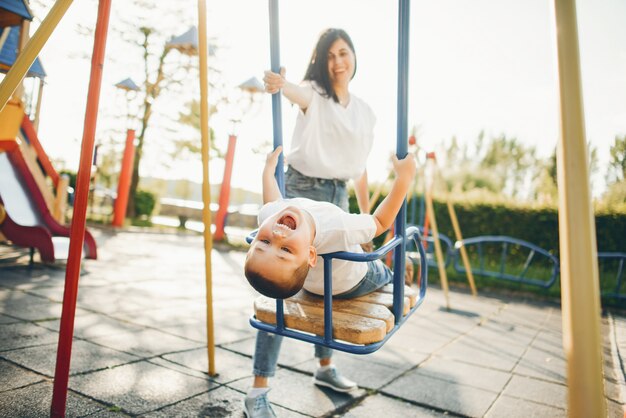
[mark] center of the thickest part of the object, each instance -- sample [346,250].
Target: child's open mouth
[288,221]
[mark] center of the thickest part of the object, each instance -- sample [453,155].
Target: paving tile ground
[139,346]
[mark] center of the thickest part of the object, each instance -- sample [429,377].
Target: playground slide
[28,221]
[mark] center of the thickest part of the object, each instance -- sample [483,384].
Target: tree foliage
[165,73]
[502,167]
[498,165]
[617,161]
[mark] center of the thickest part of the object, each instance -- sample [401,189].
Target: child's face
[283,242]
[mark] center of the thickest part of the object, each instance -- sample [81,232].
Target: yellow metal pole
[31,50]
[38,107]
[18,94]
[455,225]
[580,299]
[206,186]
[60,200]
[440,264]
[459,240]
[430,212]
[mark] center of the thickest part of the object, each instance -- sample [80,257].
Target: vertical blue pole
[401,152]
[422,209]
[328,299]
[277,123]
[276,103]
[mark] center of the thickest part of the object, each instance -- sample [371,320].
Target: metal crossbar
[507,244]
[398,297]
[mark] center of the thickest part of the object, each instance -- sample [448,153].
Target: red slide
[28,221]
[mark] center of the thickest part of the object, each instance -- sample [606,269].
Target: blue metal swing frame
[403,234]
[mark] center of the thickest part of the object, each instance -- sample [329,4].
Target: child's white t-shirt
[331,141]
[335,230]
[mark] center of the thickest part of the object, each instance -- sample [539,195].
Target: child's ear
[312,256]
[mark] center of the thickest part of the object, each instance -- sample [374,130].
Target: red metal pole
[77,231]
[220,217]
[123,185]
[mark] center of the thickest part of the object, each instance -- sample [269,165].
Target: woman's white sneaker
[331,378]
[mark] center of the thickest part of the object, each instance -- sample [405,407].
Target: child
[282,259]
[283,255]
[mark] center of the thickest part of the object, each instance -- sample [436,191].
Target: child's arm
[271,191]
[296,94]
[386,212]
[362,193]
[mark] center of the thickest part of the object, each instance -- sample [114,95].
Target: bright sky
[475,65]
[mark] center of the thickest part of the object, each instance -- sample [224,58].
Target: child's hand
[272,158]
[274,82]
[405,168]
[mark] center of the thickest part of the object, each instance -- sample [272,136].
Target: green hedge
[539,226]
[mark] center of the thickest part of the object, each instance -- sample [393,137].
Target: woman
[331,142]
[334,130]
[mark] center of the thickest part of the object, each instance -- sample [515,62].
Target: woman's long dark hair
[318,65]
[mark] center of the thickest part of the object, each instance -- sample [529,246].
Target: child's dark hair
[317,70]
[267,287]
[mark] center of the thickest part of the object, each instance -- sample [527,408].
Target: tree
[616,173]
[545,184]
[156,79]
[191,117]
[165,71]
[617,162]
[497,166]
[512,161]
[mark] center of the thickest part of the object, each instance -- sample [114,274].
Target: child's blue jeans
[268,345]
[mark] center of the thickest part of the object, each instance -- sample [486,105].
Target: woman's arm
[300,95]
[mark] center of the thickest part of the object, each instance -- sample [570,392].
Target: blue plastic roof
[18,7]
[189,41]
[189,38]
[127,84]
[8,53]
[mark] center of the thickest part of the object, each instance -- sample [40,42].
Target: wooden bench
[363,320]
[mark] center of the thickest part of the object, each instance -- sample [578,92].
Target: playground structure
[33,213]
[28,221]
[578,244]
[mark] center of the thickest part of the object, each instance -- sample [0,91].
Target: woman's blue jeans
[297,184]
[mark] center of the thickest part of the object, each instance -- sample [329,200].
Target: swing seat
[359,325]
[363,320]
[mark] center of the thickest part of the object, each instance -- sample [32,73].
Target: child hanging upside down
[283,258]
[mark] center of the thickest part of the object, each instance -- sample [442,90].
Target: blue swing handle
[277,123]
